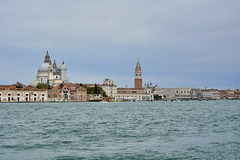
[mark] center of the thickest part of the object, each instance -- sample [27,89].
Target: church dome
[43,67]
[63,66]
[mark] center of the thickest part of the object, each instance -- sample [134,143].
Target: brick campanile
[138,76]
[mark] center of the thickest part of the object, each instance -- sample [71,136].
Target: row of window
[18,99]
[9,94]
[131,96]
[184,92]
[56,91]
[55,96]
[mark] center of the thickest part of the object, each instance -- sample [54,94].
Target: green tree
[157,97]
[42,86]
[96,89]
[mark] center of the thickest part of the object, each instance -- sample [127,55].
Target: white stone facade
[10,95]
[179,93]
[109,87]
[134,97]
[50,74]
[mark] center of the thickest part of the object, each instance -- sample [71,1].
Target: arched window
[26,94]
[0,94]
[43,95]
[35,94]
[9,94]
[18,94]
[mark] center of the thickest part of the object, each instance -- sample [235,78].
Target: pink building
[21,93]
[67,92]
[223,94]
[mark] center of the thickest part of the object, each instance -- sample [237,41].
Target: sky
[180,43]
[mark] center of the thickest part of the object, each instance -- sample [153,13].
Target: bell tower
[138,75]
[50,74]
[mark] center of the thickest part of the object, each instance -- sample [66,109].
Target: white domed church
[50,74]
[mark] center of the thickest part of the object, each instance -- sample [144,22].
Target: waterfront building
[216,95]
[167,93]
[109,87]
[16,93]
[210,94]
[67,92]
[185,93]
[50,74]
[236,94]
[230,94]
[223,94]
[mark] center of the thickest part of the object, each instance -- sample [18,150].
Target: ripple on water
[141,130]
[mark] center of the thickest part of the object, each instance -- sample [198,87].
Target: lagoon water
[128,130]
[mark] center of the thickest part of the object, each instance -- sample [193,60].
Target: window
[26,94]
[18,94]
[9,94]
[0,94]
[42,94]
[35,94]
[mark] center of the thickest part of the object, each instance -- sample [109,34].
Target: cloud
[104,38]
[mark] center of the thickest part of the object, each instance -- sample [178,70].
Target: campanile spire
[138,75]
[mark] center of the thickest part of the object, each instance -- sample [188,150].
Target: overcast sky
[180,43]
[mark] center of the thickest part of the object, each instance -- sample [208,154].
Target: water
[131,130]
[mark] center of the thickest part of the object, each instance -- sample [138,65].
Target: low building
[109,87]
[210,94]
[168,93]
[236,94]
[134,97]
[230,94]
[216,95]
[179,93]
[223,94]
[67,92]
[16,93]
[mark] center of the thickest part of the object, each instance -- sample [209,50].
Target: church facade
[50,74]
